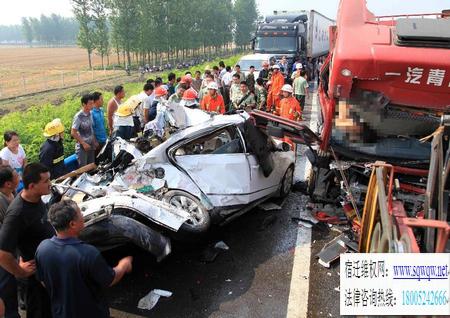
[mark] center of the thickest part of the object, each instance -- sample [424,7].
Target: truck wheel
[200,220]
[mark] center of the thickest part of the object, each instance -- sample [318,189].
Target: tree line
[150,29]
[48,30]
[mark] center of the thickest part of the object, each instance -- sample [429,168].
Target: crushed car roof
[213,123]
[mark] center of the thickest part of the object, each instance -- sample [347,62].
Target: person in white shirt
[13,154]
[146,97]
[227,78]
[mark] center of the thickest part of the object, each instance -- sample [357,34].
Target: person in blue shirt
[98,120]
[74,273]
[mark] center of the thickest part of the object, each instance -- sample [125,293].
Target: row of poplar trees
[146,30]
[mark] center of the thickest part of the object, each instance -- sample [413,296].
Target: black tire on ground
[200,219]
[286,182]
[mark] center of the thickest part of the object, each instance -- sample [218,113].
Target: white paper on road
[151,299]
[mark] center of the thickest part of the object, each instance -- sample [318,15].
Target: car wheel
[200,219]
[286,182]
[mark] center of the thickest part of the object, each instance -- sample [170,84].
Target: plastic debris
[222,246]
[269,206]
[151,299]
[305,224]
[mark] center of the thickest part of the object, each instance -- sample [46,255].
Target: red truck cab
[385,83]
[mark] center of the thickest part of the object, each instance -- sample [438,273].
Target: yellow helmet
[127,108]
[53,128]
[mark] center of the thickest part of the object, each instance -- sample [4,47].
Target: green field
[29,124]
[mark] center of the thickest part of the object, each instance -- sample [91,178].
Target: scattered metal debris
[332,251]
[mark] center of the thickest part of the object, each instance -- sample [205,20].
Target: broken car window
[225,141]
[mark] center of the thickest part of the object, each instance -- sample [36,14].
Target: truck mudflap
[279,127]
[117,230]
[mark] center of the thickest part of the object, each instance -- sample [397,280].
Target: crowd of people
[58,274]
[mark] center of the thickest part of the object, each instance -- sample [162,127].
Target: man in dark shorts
[74,273]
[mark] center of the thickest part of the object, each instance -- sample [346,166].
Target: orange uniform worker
[213,102]
[289,106]
[275,83]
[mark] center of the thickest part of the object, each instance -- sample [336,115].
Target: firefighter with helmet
[52,151]
[289,106]
[189,99]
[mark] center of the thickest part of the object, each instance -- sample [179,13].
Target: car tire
[286,182]
[200,220]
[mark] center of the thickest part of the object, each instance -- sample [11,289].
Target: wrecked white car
[203,174]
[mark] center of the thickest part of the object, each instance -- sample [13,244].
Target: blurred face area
[121,94]
[275,70]
[89,105]
[43,187]
[244,88]
[197,75]
[180,91]
[252,69]
[237,69]
[13,144]
[15,180]
[99,102]
[285,94]
[236,80]
[77,224]
[212,92]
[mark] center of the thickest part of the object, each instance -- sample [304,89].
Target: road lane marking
[299,289]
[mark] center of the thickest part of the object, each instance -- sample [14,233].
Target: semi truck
[294,34]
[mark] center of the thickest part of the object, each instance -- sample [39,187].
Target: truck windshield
[276,44]
[245,64]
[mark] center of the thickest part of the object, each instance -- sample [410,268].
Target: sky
[13,10]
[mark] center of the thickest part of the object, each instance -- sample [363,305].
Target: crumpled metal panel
[157,211]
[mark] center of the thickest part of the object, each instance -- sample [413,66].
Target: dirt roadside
[57,96]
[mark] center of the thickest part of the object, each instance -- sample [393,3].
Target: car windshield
[275,44]
[245,64]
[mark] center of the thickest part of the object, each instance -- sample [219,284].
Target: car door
[260,185]
[218,165]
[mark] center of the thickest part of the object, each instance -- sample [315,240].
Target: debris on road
[151,299]
[222,246]
[332,251]
[269,206]
[210,253]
